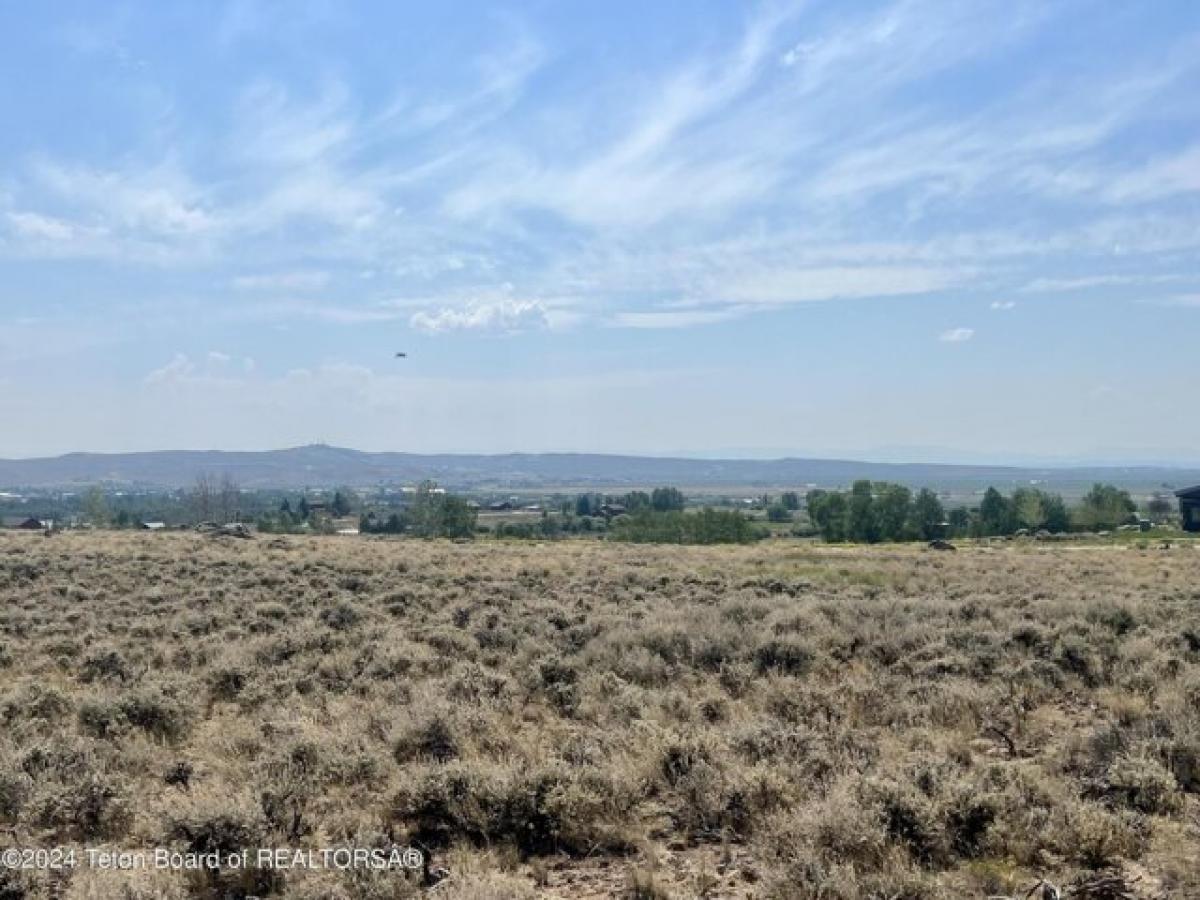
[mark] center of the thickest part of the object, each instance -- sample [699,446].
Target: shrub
[153,710]
[1143,784]
[434,739]
[449,803]
[104,665]
[341,617]
[216,823]
[787,656]
[92,807]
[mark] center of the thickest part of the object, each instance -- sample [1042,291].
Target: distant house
[1189,508]
[32,524]
[500,506]
[608,510]
[152,526]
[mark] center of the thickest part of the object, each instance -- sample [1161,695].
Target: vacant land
[595,720]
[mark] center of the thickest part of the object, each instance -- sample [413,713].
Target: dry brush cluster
[574,719]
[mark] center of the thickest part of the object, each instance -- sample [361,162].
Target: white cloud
[956,335]
[35,225]
[217,369]
[774,286]
[298,280]
[506,315]
[1055,285]
[279,311]
[652,167]
[1168,176]
[179,369]
[160,200]
[1002,304]
[674,319]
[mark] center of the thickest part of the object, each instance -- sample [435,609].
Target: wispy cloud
[504,316]
[180,368]
[803,155]
[673,319]
[297,280]
[956,335]
[35,225]
[1087,282]
[1164,177]
[161,201]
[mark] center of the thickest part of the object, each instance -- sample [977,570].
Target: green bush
[708,526]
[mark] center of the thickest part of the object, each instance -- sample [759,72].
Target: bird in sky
[401,355]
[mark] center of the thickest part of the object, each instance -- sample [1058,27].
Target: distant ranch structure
[1189,508]
[28,524]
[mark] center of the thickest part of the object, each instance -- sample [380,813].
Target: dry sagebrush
[587,719]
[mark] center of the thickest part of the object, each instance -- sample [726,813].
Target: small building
[32,524]
[152,526]
[1189,508]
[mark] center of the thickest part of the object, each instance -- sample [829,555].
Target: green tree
[667,498]
[960,521]
[862,525]
[927,515]
[1028,508]
[436,514]
[827,511]
[341,504]
[95,507]
[1104,507]
[1055,517]
[790,500]
[892,505]
[635,500]
[777,512]
[995,513]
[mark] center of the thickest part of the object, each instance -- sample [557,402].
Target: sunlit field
[590,719]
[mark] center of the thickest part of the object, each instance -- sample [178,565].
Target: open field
[586,719]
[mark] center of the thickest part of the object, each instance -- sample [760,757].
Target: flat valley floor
[587,719]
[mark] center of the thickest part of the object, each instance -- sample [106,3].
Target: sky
[905,230]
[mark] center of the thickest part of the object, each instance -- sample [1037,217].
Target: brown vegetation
[590,719]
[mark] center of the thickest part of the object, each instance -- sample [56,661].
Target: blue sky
[881,230]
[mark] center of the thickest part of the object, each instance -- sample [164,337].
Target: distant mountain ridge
[323,466]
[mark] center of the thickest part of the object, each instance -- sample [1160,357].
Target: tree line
[881,511]
[661,499]
[430,514]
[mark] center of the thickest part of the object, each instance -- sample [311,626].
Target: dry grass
[591,720]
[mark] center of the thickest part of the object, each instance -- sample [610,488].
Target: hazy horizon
[882,456]
[909,227]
